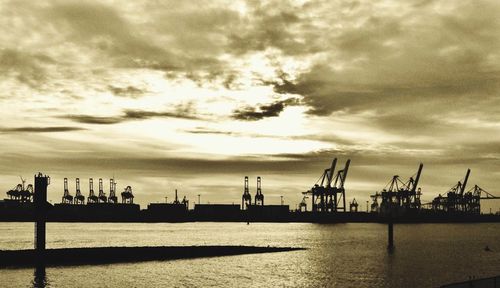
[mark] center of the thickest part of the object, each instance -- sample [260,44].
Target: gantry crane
[303,204]
[329,195]
[454,199]
[15,193]
[26,192]
[127,195]
[246,198]
[112,191]
[399,195]
[102,195]
[92,198]
[79,198]
[459,201]
[67,198]
[339,190]
[259,197]
[20,193]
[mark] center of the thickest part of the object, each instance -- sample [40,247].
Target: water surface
[338,255]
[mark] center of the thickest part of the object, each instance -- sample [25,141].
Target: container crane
[329,194]
[112,192]
[102,195]
[459,201]
[454,201]
[79,198]
[92,198]
[67,198]
[403,196]
[15,193]
[246,198]
[127,195]
[259,197]
[339,190]
[320,191]
[25,193]
[303,204]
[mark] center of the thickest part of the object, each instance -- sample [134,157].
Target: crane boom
[414,188]
[346,169]
[465,182]
[332,171]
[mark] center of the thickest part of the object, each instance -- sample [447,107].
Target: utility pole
[281,200]
[199,201]
[367,207]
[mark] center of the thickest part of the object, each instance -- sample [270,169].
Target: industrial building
[175,211]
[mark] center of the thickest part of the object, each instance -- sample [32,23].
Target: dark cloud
[27,68]
[274,26]
[89,119]
[391,62]
[180,40]
[129,91]
[142,114]
[102,28]
[202,130]
[40,129]
[183,111]
[250,113]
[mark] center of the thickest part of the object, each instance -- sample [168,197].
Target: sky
[195,95]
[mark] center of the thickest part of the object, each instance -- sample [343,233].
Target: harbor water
[337,255]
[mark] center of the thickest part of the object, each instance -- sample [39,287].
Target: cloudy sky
[195,95]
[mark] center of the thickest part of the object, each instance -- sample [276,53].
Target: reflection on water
[40,277]
[338,255]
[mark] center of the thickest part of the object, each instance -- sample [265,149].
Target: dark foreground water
[339,255]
